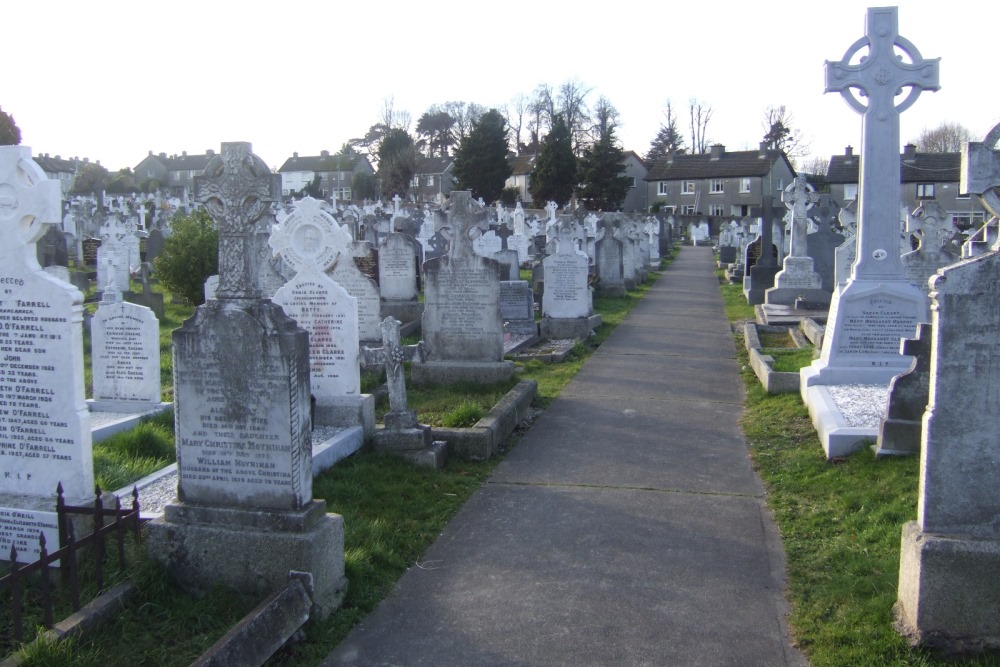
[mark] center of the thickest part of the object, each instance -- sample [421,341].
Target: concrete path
[626,528]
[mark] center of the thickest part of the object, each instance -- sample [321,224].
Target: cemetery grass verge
[392,513]
[840,523]
[128,456]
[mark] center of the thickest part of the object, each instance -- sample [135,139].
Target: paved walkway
[626,528]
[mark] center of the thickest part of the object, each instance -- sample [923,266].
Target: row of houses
[717,184]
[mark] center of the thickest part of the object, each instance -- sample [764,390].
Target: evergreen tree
[668,140]
[10,133]
[397,160]
[481,160]
[555,175]
[604,184]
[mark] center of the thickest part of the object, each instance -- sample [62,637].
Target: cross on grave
[28,199]
[464,215]
[981,170]
[568,233]
[880,76]
[552,207]
[824,213]
[237,189]
[111,293]
[393,353]
[504,232]
[798,198]
[932,225]
[396,199]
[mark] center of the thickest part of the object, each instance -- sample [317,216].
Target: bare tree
[390,118]
[572,104]
[817,165]
[779,135]
[542,109]
[517,111]
[945,138]
[701,113]
[465,114]
[606,118]
[668,139]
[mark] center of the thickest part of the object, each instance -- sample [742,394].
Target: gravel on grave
[155,496]
[862,405]
[98,418]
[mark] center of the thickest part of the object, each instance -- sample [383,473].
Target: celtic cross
[798,198]
[880,76]
[981,170]
[28,200]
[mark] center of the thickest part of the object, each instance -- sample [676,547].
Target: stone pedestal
[252,549]
[797,280]
[403,436]
[900,430]
[948,595]
[563,327]
[347,411]
[761,280]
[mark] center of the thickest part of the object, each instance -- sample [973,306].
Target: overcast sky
[114,80]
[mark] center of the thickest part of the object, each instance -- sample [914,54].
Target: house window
[851,191]
[632,184]
[177,175]
[415,182]
[284,192]
[744,185]
[779,184]
[716,209]
[687,209]
[662,185]
[191,174]
[669,210]
[430,179]
[717,186]
[150,174]
[687,187]
[925,191]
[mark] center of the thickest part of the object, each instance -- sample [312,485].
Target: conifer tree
[555,175]
[481,160]
[602,174]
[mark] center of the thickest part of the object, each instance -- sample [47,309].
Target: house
[336,173]
[175,173]
[719,183]
[58,169]
[432,178]
[637,198]
[521,167]
[923,177]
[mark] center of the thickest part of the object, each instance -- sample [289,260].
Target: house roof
[53,165]
[188,162]
[434,165]
[521,164]
[318,163]
[637,157]
[914,167]
[720,164]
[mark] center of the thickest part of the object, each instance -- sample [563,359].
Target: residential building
[520,175]
[637,198]
[58,169]
[719,184]
[336,173]
[923,177]
[432,178]
[175,173]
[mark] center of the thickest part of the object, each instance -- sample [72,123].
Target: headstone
[461,324]
[245,515]
[517,308]
[822,244]
[310,241]
[934,228]
[346,274]
[797,280]
[398,272]
[847,251]
[44,422]
[366,259]
[610,272]
[878,306]
[899,430]
[90,249]
[567,305]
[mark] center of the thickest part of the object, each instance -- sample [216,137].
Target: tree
[190,255]
[541,109]
[517,111]
[363,186]
[91,179]
[701,113]
[945,138]
[121,182]
[667,140]
[10,133]
[464,115]
[817,165]
[435,126]
[481,159]
[606,118]
[780,135]
[314,189]
[572,105]
[397,160]
[555,174]
[602,173]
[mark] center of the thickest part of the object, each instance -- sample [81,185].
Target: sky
[111,80]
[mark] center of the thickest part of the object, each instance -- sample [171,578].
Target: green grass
[841,524]
[788,360]
[735,304]
[129,456]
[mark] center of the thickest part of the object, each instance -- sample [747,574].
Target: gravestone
[398,271]
[797,280]
[610,271]
[847,251]
[44,422]
[461,324]
[244,514]
[878,306]
[402,434]
[347,274]
[510,261]
[517,308]
[113,255]
[822,244]
[950,555]
[567,305]
[125,356]
[934,229]
[90,249]
[366,259]
[436,246]
[899,430]
[310,241]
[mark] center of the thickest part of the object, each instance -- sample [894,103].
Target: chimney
[848,151]
[716,151]
[295,155]
[763,149]
[184,153]
[324,153]
[150,152]
[210,153]
[163,156]
[909,153]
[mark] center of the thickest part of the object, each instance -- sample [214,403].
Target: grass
[840,523]
[789,360]
[392,513]
[129,456]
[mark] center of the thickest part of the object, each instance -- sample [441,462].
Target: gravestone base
[153,301]
[252,550]
[631,284]
[347,411]
[404,311]
[898,437]
[521,327]
[612,289]
[569,327]
[947,592]
[447,372]
[811,298]
[761,279]
[413,443]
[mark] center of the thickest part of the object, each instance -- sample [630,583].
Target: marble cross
[237,189]
[464,215]
[552,207]
[393,354]
[28,200]
[981,170]
[932,226]
[798,198]
[880,76]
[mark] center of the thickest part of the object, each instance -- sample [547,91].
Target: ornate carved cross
[798,198]
[393,354]
[28,199]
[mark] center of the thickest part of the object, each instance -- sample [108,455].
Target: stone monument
[797,278]
[567,303]
[244,513]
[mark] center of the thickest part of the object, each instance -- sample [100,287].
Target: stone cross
[504,232]
[464,215]
[981,170]
[112,293]
[552,207]
[798,198]
[309,239]
[396,199]
[932,226]
[879,77]
[237,189]
[28,199]
[393,354]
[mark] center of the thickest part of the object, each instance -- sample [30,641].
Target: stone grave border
[774,382]
[480,441]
